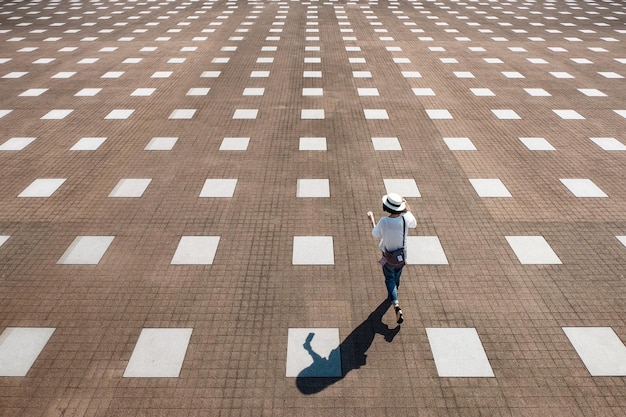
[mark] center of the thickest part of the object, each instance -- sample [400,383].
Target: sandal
[399,316]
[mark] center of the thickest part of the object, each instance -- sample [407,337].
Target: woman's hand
[370,215]
[408,208]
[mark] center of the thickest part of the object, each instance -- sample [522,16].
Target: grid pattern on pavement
[183,197]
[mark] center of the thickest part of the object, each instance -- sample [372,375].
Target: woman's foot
[399,316]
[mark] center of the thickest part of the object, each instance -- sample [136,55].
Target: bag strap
[403,233]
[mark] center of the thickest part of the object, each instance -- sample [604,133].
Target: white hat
[394,202]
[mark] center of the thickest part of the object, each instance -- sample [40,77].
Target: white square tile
[482,92]
[86,250]
[537,92]
[159,353]
[250,114]
[425,250]
[537,144]
[368,92]
[234,144]
[559,74]
[210,74]
[424,92]
[88,92]
[533,250]
[162,74]
[20,347]
[512,74]
[33,92]
[3,239]
[489,188]
[113,74]
[312,144]
[57,114]
[357,60]
[376,114]
[613,75]
[313,250]
[119,114]
[313,353]
[88,144]
[622,239]
[411,74]
[600,349]
[219,188]
[592,92]
[312,74]
[182,114]
[253,91]
[196,250]
[463,74]
[458,353]
[16,144]
[568,114]
[506,114]
[42,187]
[609,144]
[460,144]
[130,187]
[405,187]
[65,74]
[312,92]
[143,92]
[312,188]
[198,91]
[361,74]
[439,114]
[620,112]
[306,114]
[386,144]
[259,74]
[161,144]
[583,187]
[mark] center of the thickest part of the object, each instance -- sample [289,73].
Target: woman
[392,231]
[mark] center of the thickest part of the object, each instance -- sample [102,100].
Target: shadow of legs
[353,352]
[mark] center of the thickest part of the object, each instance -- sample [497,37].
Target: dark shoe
[399,316]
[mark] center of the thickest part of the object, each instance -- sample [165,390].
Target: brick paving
[177,295]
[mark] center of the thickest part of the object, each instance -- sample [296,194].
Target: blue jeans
[392,282]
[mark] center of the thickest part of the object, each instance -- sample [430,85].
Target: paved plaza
[184,191]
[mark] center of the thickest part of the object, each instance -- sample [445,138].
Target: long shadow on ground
[352,352]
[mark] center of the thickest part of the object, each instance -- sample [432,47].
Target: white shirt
[389,230]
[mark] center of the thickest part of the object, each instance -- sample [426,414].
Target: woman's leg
[392,279]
